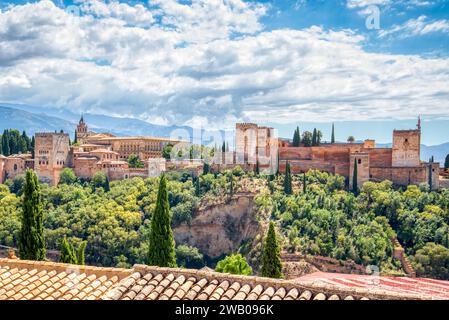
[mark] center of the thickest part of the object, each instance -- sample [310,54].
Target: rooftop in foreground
[31,280]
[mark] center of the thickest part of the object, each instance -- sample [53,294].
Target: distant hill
[31,122]
[35,119]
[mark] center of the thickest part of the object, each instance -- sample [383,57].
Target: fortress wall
[404,175]
[380,157]
[299,166]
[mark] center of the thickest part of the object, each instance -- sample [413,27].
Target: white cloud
[417,27]
[365,3]
[171,73]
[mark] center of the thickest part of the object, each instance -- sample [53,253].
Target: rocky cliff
[220,229]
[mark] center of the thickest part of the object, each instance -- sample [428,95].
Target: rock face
[220,229]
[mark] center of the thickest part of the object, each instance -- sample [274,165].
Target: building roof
[435,289]
[23,280]
[33,280]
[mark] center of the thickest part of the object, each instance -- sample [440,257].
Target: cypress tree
[271,259]
[296,138]
[430,173]
[76,137]
[288,180]
[161,250]
[67,254]
[355,188]
[197,187]
[223,147]
[80,254]
[446,162]
[33,143]
[304,183]
[257,168]
[231,185]
[333,134]
[31,237]
[5,143]
[206,168]
[314,138]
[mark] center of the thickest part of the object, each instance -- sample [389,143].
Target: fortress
[255,146]
[400,164]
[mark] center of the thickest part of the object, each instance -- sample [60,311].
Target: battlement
[50,134]
[246,125]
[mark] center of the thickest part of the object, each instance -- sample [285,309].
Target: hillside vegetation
[321,218]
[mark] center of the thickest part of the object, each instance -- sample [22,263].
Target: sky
[212,63]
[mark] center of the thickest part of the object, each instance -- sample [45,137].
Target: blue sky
[212,63]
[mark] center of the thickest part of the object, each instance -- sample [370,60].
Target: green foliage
[68,254]
[17,184]
[134,162]
[288,188]
[296,138]
[307,138]
[351,139]
[13,142]
[31,239]
[161,249]
[206,168]
[67,176]
[446,162]
[432,261]
[166,152]
[100,180]
[234,264]
[355,186]
[271,259]
[189,257]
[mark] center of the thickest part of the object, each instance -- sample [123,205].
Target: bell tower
[81,131]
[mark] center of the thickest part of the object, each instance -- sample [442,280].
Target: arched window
[15,167]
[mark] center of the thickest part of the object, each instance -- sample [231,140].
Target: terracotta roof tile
[43,280]
[21,279]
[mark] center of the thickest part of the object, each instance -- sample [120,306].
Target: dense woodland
[316,216]
[14,142]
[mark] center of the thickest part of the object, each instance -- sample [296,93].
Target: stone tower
[255,144]
[51,156]
[81,131]
[406,147]
[363,168]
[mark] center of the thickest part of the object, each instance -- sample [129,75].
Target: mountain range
[34,119]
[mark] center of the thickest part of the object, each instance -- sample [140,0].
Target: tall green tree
[31,237]
[271,258]
[446,162]
[296,138]
[161,249]
[67,252]
[206,168]
[307,139]
[75,140]
[314,138]
[333,134]
[257,171]
[33,143]
[355,187]
[288,189]
[304,183]
[5,143]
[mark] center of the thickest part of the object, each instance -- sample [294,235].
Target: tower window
[360,161]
